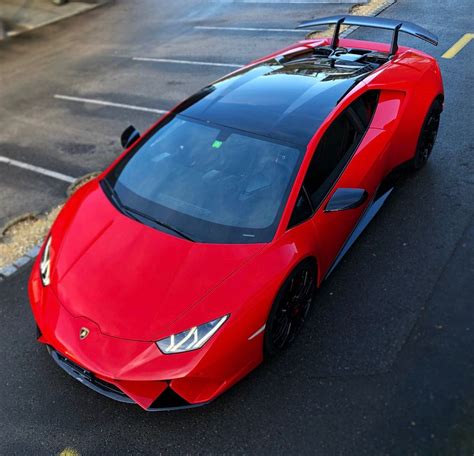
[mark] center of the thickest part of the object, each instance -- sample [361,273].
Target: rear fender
[408,87]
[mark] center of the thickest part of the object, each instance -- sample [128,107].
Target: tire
[428,133]
[290,308]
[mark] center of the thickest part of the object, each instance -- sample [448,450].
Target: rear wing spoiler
[375,22]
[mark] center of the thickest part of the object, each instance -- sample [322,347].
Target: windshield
[209,182]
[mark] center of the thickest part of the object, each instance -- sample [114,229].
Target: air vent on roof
[341,57]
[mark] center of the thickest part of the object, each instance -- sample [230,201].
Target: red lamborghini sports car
[197,253]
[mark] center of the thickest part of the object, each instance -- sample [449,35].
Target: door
[343,176]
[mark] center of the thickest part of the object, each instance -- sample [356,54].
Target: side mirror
[346,198]
[129,136]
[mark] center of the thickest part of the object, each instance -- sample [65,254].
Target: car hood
[133,281]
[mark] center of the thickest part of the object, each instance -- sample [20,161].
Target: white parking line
[109,103]
[37,169]
[249,29]
[187,62]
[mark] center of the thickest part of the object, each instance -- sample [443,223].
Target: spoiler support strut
[335,38]
[394,46]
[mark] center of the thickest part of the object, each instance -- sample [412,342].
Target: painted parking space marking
[288,2]
[37,169]
[188,62]
[108,104]
[458,46]
[249,29]
[69,452]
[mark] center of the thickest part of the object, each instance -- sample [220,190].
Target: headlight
[45,264]
[190,339]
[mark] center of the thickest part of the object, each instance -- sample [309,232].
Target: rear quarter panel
[408,85]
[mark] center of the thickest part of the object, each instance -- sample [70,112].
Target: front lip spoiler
[88,379]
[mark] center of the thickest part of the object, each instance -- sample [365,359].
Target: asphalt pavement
[385,363]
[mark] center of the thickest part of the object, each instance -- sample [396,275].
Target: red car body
[130,285]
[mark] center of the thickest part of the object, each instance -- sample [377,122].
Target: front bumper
[166,401]
[136,371]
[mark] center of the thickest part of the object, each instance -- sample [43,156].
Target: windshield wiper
[116,200]
[158,222]
[131,212]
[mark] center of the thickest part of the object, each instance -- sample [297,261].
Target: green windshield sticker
[216,144]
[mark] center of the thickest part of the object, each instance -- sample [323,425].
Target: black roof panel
[286,101]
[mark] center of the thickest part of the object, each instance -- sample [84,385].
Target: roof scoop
[374,22]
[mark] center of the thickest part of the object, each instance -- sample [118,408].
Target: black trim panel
[364,220]
[170,400]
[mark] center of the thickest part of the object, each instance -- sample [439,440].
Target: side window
[337,146]
[332,154]
[330,157]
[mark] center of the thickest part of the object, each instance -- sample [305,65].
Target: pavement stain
[77,148]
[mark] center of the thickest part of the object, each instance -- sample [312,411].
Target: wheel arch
[309,260]
[440,98]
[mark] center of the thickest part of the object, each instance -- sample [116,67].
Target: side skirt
[369,214]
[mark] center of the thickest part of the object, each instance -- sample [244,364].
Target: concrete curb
[29,27]
[81,181]
[381,6]
[15,220]
[11,268]
[376,12]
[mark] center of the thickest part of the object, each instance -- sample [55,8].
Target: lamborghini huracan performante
[198,252]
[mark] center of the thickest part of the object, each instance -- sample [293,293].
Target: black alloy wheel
[428,134]
[290,308]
